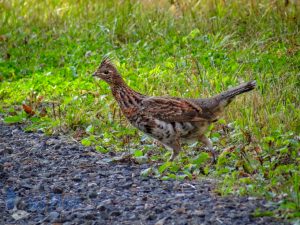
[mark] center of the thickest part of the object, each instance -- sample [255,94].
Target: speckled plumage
[167,119]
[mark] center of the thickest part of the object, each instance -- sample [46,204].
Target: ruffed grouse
[169,120]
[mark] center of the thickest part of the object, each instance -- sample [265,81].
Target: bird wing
[171,109]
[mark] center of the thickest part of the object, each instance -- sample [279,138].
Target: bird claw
[214,155]
[171,159]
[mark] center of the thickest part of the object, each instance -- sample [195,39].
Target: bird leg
[176,149]
[207,142]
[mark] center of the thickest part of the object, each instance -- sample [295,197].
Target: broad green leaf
[86,142]
[90,129]
[138,153]
[146,172]
[101,149]
[14,119]
[164,166]
[203,157]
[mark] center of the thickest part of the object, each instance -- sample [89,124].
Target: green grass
[49,49]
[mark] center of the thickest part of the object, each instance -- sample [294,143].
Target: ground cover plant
[49,49]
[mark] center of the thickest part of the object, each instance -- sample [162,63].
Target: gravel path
[54,180]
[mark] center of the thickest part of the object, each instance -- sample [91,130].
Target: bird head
[108,72]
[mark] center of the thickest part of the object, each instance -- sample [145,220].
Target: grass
[49,49]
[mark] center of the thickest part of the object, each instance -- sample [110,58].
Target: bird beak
[94,74]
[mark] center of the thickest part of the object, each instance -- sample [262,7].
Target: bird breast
[167,132]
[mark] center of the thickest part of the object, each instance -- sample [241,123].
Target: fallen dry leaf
[28,109]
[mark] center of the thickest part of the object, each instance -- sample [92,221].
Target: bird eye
[106,72]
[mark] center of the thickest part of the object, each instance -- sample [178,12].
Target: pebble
[93,194]
[77,178]
[57,189]
[20,214]
[115,213]
[52,217]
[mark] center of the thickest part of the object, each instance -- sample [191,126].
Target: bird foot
[213,153]
[171,159]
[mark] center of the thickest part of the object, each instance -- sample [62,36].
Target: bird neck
[125,96]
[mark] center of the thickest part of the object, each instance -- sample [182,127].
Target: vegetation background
[185,48]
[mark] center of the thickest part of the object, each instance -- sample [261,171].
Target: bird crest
[106,61]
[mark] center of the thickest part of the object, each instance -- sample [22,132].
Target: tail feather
[225,97]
